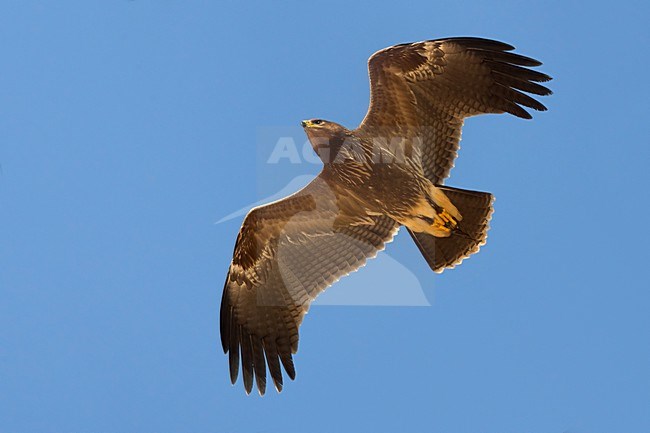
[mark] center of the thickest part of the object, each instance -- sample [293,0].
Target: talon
[449,221]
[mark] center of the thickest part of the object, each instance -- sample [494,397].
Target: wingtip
[233,377]
[261,383]
[248,387]
[225,317]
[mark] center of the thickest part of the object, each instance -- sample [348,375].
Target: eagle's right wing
[288,252]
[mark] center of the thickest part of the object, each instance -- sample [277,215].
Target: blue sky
[128,128]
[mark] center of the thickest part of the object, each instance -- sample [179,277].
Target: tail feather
[476,211]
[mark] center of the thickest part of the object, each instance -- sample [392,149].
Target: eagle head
[326,137]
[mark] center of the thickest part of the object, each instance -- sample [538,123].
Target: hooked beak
[305,124]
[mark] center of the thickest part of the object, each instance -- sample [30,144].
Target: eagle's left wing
[426,89]
[423,91]
[287,253]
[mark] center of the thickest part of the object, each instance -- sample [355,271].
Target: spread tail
[476,210]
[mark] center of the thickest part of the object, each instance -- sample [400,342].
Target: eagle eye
[317,122]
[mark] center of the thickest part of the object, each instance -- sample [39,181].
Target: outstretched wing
[287,253]
[426,89]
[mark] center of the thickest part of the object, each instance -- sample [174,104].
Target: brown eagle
[384,174]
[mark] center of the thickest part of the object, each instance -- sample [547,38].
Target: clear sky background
[128,128]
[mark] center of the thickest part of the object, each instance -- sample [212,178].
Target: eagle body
[382,178]
[386,173]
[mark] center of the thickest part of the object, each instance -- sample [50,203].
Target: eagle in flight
[386,173]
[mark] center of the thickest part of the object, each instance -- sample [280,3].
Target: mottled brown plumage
[386,173]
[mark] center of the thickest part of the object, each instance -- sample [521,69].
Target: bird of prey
[386,173]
